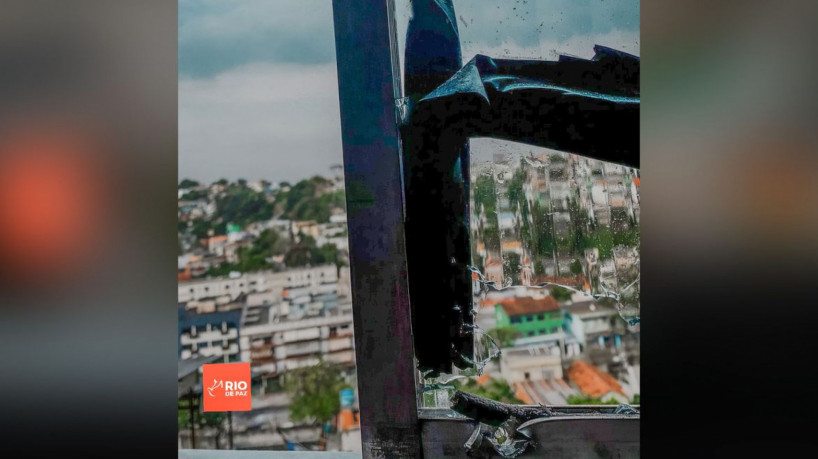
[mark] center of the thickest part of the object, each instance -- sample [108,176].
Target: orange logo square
[226,387]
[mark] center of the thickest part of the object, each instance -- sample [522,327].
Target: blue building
[210,334]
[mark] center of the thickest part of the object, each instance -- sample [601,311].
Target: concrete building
[274,342]
[585,322]
[526,363]
[216,245]
[344,282]
[530,316]
[262,281]
[209,335]
[306,227]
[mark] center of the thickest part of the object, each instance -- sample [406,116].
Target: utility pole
[229,417]
[230,429]
[192,419]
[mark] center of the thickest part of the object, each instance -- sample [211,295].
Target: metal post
[230,428]
[368,87]
[192,420]
[229,416]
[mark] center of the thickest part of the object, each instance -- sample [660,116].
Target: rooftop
[518,306]
[593,381]
[544,392]
[590,309]
[256,315]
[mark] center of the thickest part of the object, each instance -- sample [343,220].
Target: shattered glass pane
[551,219]
[535,29]
[504,440]
[505,444]
[555,251]
[554,236]
[538,29]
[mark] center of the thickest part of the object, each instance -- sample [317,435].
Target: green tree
[588,400]
[494,389]
[222,270]
[505,336]
[628,237]
[298,255]
[266,241]
[603,240]
[255,257]
[326,254]
[306,252]
[512,267]
[243,206]
[560,294]
[314,392]
[202,419]
[200,228]
[188,183]
[544,242]
[309,199]
[194,195]
[491,236]
[515,188]
[485,193]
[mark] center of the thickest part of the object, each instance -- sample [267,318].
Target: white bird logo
[216,385]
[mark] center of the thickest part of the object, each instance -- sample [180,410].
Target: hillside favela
[263,277]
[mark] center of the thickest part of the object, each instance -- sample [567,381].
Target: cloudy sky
[258,96]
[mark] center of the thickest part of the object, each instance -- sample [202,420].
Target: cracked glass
[554,235]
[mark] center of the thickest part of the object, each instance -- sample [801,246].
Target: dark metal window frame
[369,86]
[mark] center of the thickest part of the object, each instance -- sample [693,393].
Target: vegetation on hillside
[314,392]
[494,389]
[505,336]
[588,400]
[188,183]
[236,203]
[309,199]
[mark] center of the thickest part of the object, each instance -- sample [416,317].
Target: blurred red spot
[50,203]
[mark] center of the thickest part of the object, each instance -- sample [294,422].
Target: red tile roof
[593,381]
[522,394]
[575,280]
[526,305]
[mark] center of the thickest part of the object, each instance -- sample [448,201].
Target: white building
[274,343]
[587,320]
[531,363]
[207,335]
[262,281]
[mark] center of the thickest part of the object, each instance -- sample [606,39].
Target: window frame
[391,426]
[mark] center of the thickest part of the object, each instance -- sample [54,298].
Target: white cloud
[217,35]
[258,95]
[262,120]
